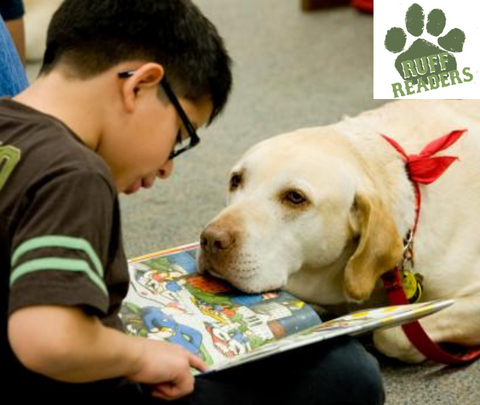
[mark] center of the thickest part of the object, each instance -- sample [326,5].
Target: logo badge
[425,50]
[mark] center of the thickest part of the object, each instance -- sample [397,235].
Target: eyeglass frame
[192,133]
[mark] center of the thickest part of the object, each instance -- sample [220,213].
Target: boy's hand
[183,385]
[167,367]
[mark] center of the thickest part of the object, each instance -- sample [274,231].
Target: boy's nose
[166,170]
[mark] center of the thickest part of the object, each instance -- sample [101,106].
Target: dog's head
[300,202]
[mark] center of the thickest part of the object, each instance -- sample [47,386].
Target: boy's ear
[146,77]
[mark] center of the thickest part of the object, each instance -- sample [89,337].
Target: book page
[169,300]
[352,324]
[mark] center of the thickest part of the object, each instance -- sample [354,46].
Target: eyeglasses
[181,145]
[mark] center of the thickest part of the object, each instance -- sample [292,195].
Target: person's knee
[368,385]
[362,375]
[346,374]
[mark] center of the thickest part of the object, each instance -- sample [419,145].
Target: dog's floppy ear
[380,247]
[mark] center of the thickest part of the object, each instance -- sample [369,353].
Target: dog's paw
[394,343]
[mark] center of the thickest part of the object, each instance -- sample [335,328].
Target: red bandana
[424,168]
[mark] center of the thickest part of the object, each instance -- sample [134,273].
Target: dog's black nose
[216,239]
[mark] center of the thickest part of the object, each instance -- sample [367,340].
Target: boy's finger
[164,393]
[174,390]
[195,362]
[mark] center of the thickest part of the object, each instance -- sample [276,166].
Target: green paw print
[396,39]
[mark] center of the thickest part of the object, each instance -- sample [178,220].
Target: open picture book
[168,300]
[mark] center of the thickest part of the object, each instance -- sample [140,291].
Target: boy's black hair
[91,36]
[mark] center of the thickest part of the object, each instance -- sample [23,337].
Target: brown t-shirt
[60,236]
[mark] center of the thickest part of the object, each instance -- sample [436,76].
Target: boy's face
[149,156]
[139,146]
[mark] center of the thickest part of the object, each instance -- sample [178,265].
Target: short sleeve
[11,9]
[13,79]
[61,242]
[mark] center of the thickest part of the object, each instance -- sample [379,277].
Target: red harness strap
[424,169]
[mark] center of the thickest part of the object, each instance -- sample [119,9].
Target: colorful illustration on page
[169,301]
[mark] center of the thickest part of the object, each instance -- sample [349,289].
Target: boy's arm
[65,344]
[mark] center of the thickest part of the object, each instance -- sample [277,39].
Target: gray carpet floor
[292,69]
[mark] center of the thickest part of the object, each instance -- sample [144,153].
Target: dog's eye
[295,197]
[235,181]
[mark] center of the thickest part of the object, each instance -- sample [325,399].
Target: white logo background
[462,14]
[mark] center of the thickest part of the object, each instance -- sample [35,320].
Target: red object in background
[363,5]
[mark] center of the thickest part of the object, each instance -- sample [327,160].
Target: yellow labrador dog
[323,212]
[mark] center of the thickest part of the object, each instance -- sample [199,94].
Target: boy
[104,118]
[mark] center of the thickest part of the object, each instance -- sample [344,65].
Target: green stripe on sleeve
[53,263]
[66,242]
